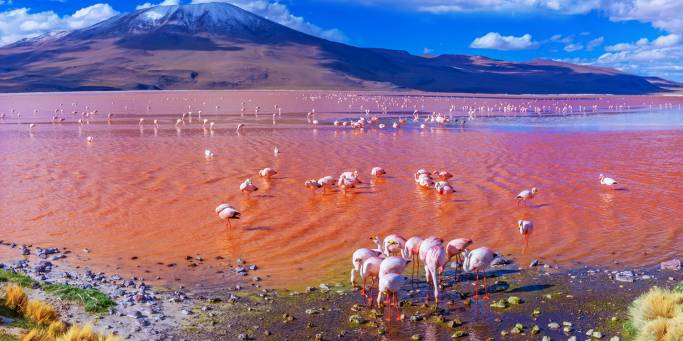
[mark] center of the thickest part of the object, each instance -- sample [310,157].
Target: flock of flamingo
[384,265]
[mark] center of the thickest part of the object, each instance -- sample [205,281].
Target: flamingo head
[534,190]
[602,176]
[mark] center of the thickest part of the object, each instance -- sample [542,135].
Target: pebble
[625,276]
[553,326]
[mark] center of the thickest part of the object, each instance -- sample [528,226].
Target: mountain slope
[220,46]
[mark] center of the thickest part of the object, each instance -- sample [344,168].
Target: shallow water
[151,194]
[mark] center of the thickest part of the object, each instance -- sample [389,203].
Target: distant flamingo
[247,187]
[443,187]
[442,175]
[326,182]
[90,139]
[267,172]
[359,256]
[434,263]
[312,184]
[411,250]
[141,122]
[208,154]
[525,229]
[227,212]
[378,172]
[525,195]
[607,181]
[348,180]
[240,126]
[421,172]
[389,285]
[478,260]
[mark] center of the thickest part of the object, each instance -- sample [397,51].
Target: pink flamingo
[456,247]
[525,195]
[478,260]
[348,180]
[421,173]
[442,175]
[411,250]
[359,256]
[247,187]
[371,269]
[525,229]
[378,172]
[267,172]
[609,182]
[227,212]
[390,284]
[393,264]
[393,244]
[443,187]
[434,263]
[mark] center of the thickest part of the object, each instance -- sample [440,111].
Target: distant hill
[220,46]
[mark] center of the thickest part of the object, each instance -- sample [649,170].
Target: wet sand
[150,194]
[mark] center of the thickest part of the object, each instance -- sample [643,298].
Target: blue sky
[637,36]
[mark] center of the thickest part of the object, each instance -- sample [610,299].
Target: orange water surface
[150,193]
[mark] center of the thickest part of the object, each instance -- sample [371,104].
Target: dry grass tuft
[36,335]
[658,315]
[15,297]
[55,329]
[78,333]
[40,312]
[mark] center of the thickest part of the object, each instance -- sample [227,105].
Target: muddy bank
[524,304]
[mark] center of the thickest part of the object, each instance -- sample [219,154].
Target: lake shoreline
[538,300]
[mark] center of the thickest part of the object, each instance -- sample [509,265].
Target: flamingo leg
[476,290]
[362,290]
[388,303]
[398,307]
[486,289]
[229,224]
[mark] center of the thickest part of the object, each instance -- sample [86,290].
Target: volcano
[220,46]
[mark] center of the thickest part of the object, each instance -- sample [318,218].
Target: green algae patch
[16,277]
[93,300]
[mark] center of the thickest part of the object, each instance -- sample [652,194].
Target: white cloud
[20,23]
[163,3]
[660,57]
[573,47]
[664,14]
[595,43]
[496,41]
[427,50]
[450,6]
[280,14]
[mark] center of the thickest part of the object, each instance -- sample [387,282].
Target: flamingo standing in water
[247,187]
[370,269]
[208,154]
[389,285]
[479,260]
[442,175]
[434,263]
[411,250]
[326,182]
[456,247]
[359,256]
[239,127]
[609,182]
[525,195]
[443,187]
[378,172]
[525,229]
[267,172]
[227,212]
[348,180]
